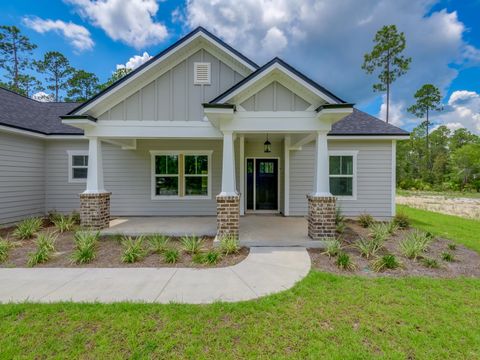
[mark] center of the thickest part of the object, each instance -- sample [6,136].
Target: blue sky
[324,39]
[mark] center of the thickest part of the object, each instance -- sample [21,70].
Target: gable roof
[265,68]
[169,49]
[23,113]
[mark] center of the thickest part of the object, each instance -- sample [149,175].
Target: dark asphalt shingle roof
[20,112]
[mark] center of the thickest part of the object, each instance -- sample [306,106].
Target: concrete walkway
[266,270]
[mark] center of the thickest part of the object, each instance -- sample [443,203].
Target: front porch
[255,230]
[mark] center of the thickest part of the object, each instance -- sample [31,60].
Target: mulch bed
[108,254]
[467,262]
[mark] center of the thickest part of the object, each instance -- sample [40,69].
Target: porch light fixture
[267,146]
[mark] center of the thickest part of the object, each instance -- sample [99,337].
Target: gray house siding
[174,96]
[374,177]
[22,177]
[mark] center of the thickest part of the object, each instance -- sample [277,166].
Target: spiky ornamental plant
[386,56]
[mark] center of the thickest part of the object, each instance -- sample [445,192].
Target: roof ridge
[21,95]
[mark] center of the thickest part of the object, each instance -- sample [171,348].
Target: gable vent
[201,73]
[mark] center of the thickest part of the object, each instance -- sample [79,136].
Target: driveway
[266,270]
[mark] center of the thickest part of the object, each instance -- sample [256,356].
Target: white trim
[354,154]
[255,158]
[71,154]
[154,153]
[242,174]
[369,137]
[394,176]
[33,134]
[286,174]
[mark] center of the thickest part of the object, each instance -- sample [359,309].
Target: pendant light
[267,146]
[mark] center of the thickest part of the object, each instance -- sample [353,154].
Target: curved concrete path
[266,270]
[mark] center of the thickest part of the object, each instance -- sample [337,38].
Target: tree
[461,137]
[15,53]
[83,85]
[57,69]
[117,75]
[428,99]
[29,84]
[466,163]
[387,57]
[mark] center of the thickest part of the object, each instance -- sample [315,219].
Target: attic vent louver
[201,73]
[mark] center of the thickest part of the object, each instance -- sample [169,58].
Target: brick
[321,217]
[95,210]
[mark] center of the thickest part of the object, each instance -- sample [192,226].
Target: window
[201,73]
[77,166]
[343,174]
[181,174]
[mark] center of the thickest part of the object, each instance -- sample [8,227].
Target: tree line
[441,160]
[52,72]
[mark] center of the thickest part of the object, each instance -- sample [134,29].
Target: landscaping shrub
[339,217]
[158,243]
[211,257]
[333,247]
[430,263]
[452,246]
[229,245]
[392,227]
[85,246]
[387,261]
[28,228]
[340,228]
[401,220]
[171,256]
[191,244]
[415,244]
[368,247]
[447,256]
[379,232]
[344,262]
[45,247]
[75,215]
[63,223]
[5,247]
[133,249]
[366,220]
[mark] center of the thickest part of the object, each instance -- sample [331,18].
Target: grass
[461,230]
[323,316]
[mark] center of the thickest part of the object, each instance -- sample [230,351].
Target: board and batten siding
[127,175]
[173,95]
[374,177]
[22,177]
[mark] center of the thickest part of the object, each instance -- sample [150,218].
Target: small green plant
[133,250]
[365,220]
[368,247]
[392,228]
[448,256]
[344,262]
[379,232]
[333,248]
[45,247]
[191,244]
[171,256]
[229,245]
[430,263]
[5,247]
[28,228]
[401,220]
[158,243]
[387,261]
[339,217]
[85,246]
[452,246]
[340,227]
[211,257]
[63,223]
[75,215]
[415,244]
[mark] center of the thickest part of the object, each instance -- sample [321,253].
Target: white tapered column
[95,167]
[228,166]
[321,184]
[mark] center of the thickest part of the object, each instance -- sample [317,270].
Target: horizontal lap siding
[22,177]
[374,173]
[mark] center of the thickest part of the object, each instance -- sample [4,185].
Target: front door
[262,184]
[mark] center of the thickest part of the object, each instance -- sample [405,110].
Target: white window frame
[71,154]
[195,73]
[354,176]
[181,174]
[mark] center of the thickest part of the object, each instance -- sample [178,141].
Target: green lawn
[324,316]
[461,230]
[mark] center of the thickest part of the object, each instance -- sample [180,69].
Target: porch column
[321,203]
[228,201]
[95,200]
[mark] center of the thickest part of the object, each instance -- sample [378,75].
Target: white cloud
[327,39]
[43,97]
[396,111]
[462,110]
[130,21]
[135,61]
[77,35]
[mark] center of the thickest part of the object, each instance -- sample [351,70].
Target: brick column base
[95,210]
[321,217]
[228,215]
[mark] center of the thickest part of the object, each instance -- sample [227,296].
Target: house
[199,129]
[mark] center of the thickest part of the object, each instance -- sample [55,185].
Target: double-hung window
[181,174]
[343,174]
[77,165]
